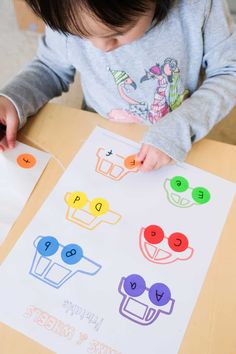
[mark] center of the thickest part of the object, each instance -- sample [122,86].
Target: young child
[139,62]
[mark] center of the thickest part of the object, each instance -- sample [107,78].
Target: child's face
[106,39]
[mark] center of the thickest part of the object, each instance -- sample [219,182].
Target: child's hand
[151,158]
[10,119]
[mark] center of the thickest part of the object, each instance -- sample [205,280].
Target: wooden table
[61,131]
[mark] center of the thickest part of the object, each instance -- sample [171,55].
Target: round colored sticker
[72,253]
[179,184]
[47,246]
[26,160]
[77,200]
[153,234]
[131,163]
[134,285]
[159,294]
[201,195]
[98,206]
[178,242]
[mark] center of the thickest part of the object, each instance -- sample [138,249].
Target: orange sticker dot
[26,160]
[131,163]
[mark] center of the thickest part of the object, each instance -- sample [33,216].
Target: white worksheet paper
[20,170]
[115,259]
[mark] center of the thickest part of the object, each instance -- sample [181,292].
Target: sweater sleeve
[47,76]
[214,99]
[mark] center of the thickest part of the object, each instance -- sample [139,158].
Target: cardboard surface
[61,131]
[26,19]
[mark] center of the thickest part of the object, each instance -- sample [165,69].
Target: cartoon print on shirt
[159,108]
[171,70]
[137,111]
[169,93]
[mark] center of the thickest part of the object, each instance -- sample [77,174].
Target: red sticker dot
[153,234]
[178,242]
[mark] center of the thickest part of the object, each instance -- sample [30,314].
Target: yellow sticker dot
[98,206]
[77,200]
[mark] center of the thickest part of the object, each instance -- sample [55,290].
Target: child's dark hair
[64,15]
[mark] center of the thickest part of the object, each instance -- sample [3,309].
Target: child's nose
[109,46]
[106,46]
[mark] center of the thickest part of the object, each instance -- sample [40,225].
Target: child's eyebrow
[112,34]
[118,32]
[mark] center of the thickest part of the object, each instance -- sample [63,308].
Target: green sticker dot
[179,184]
[201,195]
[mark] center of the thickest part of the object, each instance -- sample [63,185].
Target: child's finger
[11,131]
[148,164]
[2,135]
[2,131]
[141,155]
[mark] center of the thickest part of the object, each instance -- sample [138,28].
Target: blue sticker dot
[47,246]
[72,254]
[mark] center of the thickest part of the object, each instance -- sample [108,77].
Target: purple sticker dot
[134,285]
[159,294]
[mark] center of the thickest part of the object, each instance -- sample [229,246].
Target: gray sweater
[153,80]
